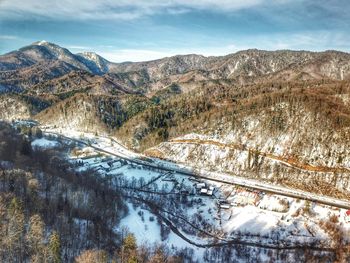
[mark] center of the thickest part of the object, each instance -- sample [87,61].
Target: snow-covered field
[44,143]
[265,216]
[169,207]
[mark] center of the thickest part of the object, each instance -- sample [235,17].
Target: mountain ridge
[242,67]
[47,43]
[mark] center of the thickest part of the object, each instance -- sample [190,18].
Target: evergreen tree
[26,148]
[129,249]
[35,235]
[92,256]
[55,248]
[15,230]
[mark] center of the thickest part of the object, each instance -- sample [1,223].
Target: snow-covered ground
[44,143]
[270,214]
[232,211]
[143,224]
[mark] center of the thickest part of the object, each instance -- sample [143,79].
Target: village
[202,212]
[225,197]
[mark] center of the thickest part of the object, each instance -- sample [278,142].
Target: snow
[44,143]
[42,43]
[270,215]
[144,230]
[250,219]
[273,203]
[204,191]
[147,231]
[176,241]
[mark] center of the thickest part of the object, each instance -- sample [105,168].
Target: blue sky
[138,30]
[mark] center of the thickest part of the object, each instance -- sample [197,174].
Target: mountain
[93,112]
[242,67]
[45,74]
[94,62]
[294,134]
[38,52]
[43,51]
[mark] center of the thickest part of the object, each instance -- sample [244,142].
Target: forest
[50,213]
[204,107]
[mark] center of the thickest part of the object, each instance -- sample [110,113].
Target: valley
[103,146]
[235,213]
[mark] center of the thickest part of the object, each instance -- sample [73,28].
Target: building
[347,216]
[244,197]
[224,206]
[204,191]
[200,185]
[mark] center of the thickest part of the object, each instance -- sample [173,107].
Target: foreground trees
[92,256]
[46,210]
[49,213]
[55,248]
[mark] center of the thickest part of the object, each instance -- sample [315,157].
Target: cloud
[8,37]
[318,40]
[265,24]
[74,47]
[120,9]
[313,41]
[134,55]
[137,55]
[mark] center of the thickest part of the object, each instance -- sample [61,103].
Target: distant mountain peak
[42,42]
[91,56]
[90,53]
[95,62]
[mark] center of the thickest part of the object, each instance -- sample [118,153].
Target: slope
[92,112]
[289,134]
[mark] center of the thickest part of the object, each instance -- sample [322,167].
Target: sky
[139,30]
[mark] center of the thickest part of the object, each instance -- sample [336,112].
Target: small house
[200,185]
[244,197]
[347,216]
[224,206]
[204,191]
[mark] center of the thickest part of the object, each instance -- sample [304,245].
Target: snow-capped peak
[92,56]
[99,62]
[42,43]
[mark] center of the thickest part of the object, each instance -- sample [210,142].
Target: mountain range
[43,61]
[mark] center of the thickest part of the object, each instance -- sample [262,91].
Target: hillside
[40,209]
[289,134]
[67,200]
[91,112]
[53,211]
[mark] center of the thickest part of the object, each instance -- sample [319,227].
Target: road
[220,177]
